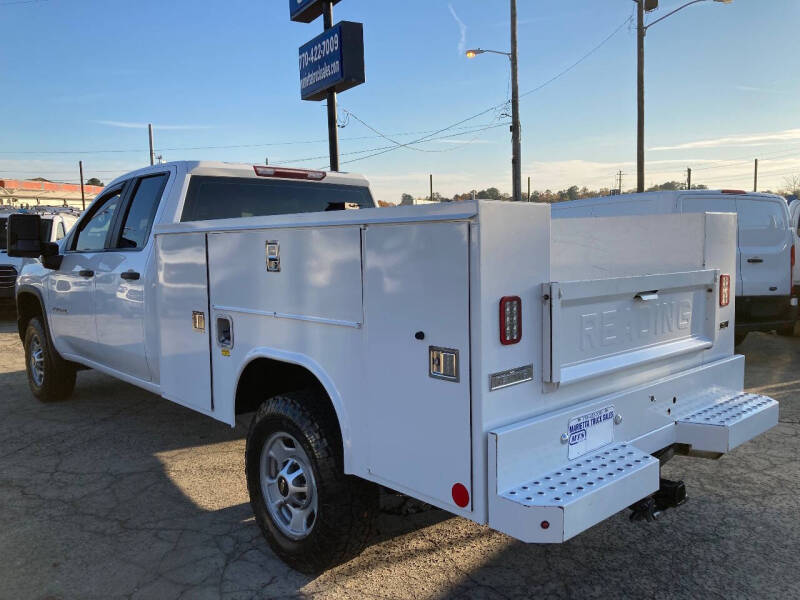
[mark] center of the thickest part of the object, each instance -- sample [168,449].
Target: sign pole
[333,129]
[83,196]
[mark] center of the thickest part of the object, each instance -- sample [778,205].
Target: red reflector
[724,290]
[733,191]
[460,495]
[510,320]
[545,524]
[263,171]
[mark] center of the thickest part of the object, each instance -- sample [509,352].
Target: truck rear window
[230,198]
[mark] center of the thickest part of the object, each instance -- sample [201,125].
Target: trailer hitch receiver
[669,495]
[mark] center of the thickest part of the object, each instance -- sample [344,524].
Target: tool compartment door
[182,304]
[416,297]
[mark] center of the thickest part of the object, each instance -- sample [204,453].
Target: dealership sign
[305,11]
[333,61]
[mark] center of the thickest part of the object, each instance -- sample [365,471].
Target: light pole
[641,29]
[516,129]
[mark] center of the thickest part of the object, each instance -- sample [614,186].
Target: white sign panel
[591,431]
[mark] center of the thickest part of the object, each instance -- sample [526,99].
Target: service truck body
[512,369]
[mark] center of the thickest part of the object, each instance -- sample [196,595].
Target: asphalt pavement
[120,494]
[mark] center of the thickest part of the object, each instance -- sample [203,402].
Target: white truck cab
[765,245]
[56,222]
[470,355]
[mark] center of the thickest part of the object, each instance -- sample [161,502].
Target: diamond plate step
[727,422]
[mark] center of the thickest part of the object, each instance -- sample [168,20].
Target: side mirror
[24,236]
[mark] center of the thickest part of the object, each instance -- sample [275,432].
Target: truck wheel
[312,514]
[50,377]
[738,338]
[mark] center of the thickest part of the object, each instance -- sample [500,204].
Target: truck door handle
[86,273]
[755,260]
[647,296]
[130,275]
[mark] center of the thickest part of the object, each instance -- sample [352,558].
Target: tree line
[573,192]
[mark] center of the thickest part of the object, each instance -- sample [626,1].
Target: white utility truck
[765,250]
[526,373]
[55,222]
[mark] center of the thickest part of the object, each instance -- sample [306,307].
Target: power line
[444,137]
[747,159]
[495,107]
[224,147]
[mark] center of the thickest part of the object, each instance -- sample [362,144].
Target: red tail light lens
[510,320]
[263,171]
[724,290]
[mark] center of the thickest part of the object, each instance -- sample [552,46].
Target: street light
[648,5]
[516,130]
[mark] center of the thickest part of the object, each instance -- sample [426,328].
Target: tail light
[724,290]
[285,173]
[510,320]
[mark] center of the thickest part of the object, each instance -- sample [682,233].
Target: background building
[23,194]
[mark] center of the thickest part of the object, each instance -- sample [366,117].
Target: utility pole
[431,187]
[619,181]
[640,33]
[333,130]
[516,133]
[150,135]
[529,189]
[688,178]
[83,196]
[755,178]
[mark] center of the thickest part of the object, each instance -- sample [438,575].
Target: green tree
[573,192]
[95,181]
[668,186]
[406,200]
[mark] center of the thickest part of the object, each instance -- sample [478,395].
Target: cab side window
[141,212]
[92,234]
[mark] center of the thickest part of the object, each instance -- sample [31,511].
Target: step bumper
[537,495]
[726,422]
[562,503]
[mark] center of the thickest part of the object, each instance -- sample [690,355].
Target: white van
[765,298]
[794,222]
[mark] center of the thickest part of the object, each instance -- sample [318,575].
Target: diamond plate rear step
[566,501]
[726,422]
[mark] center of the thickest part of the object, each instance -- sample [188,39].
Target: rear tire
[311,513]
[738,338]
[50,377]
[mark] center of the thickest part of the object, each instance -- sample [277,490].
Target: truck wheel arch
[29,305]
[298,371]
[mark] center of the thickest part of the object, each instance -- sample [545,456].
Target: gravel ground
[119,494]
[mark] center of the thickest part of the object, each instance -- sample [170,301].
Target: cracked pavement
[120,494]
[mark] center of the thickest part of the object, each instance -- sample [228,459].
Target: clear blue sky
[87,75]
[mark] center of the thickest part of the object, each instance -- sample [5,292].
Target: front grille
[8,276]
